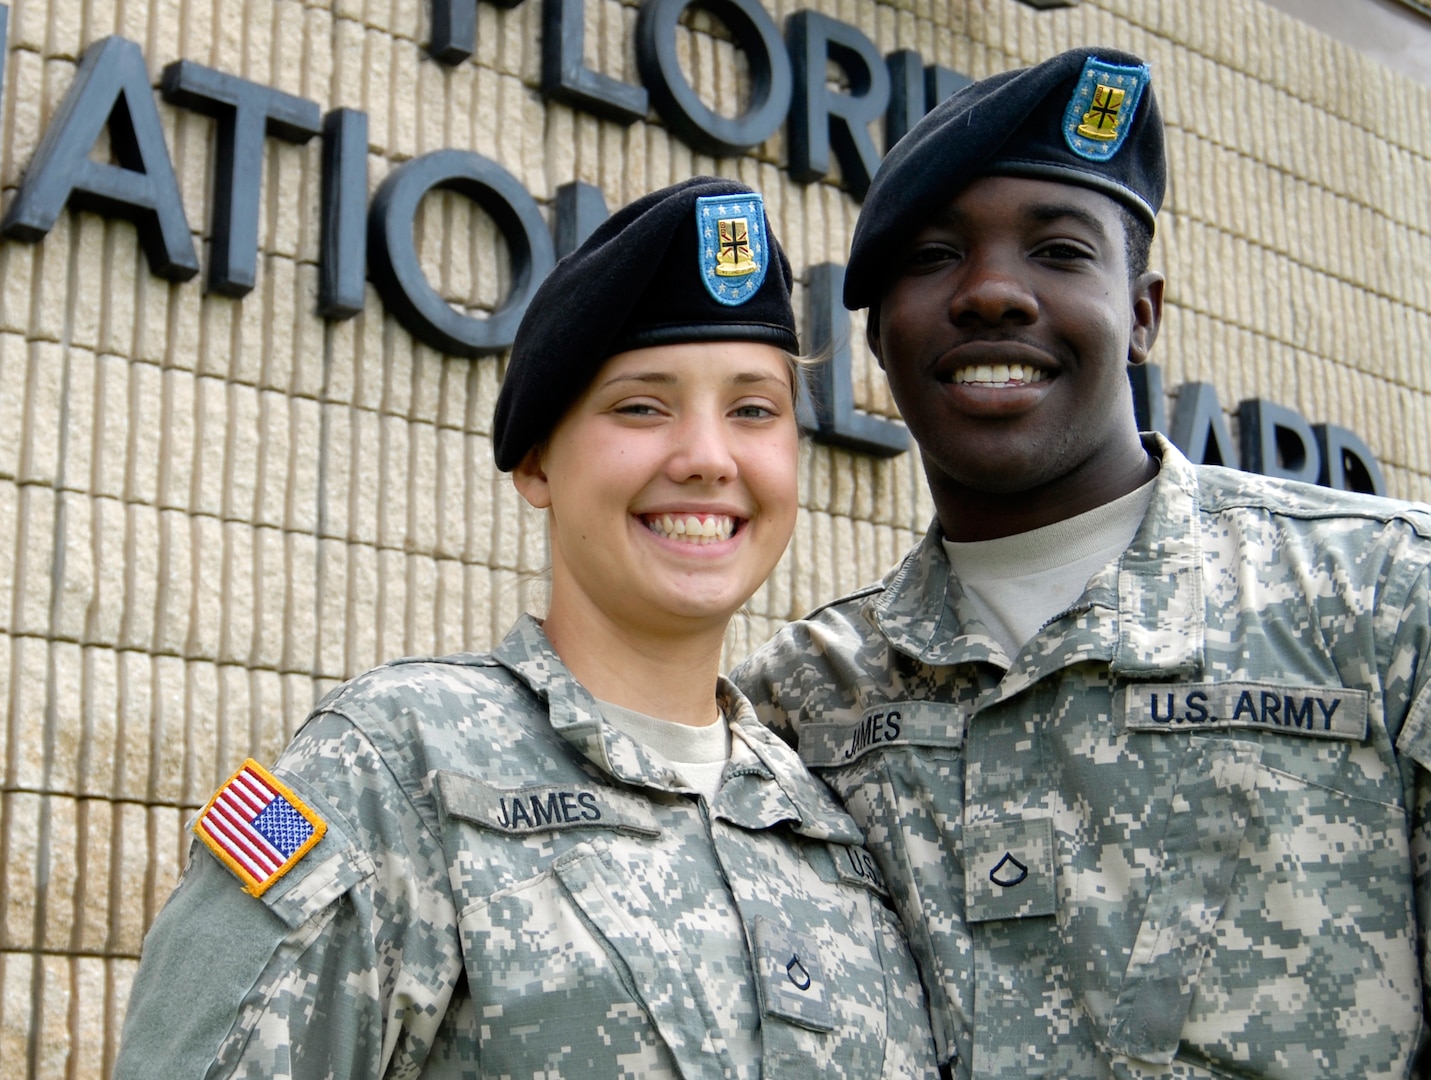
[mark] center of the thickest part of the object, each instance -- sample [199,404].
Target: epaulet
[257,827]
[1221,488]
[839,601]
[455,659]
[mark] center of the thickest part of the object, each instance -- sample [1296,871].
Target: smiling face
[671,485]
[1006,331]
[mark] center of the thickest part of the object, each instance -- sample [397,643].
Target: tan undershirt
[1018,583]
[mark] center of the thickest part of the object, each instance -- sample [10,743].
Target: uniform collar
[1162,620]
[574,715]
[1155,591]
[766,783]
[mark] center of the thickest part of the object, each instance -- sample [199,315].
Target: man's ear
[872,334]
[1147,316]
[531,481]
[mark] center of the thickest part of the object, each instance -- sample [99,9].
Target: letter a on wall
[110,89]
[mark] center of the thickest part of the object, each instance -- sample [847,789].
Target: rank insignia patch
[733,250]
[1102,108]
[257,827]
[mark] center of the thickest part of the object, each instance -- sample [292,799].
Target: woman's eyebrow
[745,378]
[657,378]
[666,378]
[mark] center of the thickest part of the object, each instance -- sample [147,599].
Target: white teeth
[999,374]
[690,529]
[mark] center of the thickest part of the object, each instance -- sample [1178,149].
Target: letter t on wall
[246,112]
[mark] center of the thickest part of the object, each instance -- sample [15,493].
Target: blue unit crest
[733,249]
[1101,111]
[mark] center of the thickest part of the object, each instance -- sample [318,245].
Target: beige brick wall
[211,509]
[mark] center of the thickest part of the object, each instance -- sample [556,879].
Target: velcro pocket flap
[1009,869]
[792,983]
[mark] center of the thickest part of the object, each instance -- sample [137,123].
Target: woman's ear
[872,334]
[530,481]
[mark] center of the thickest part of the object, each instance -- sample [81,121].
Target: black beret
[1086,117]
[696,261]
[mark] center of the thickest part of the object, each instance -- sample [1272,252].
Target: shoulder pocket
[335,865]
[281,842]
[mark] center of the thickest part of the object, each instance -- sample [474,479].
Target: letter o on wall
[397,274]
[702,128]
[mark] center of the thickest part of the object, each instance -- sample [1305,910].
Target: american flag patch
[257,827]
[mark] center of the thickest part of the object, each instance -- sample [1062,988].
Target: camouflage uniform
[510,887]
[1182,833]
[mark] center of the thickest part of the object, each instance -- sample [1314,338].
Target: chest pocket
[1295,845]
[1201,841]
[571,967]
[899,770]
[564,977]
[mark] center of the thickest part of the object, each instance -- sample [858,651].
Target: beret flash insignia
[732,248]
[1102,107]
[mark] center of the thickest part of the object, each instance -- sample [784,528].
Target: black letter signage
[565,76]
[111,88]
[454,28]
[343,238]
[1347,463]
[1277,442]
[1199,429]
[913,90]
[679,105]
[245,112]
[398,275]
[821,118]
[580,208]
[830,385]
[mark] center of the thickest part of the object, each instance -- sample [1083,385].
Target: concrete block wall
[212,510]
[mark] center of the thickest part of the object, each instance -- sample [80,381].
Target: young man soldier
[1141,747]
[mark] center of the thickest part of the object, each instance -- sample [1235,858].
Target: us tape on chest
[1319,712]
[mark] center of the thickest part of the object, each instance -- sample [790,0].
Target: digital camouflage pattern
[1184,832]
[509,887]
